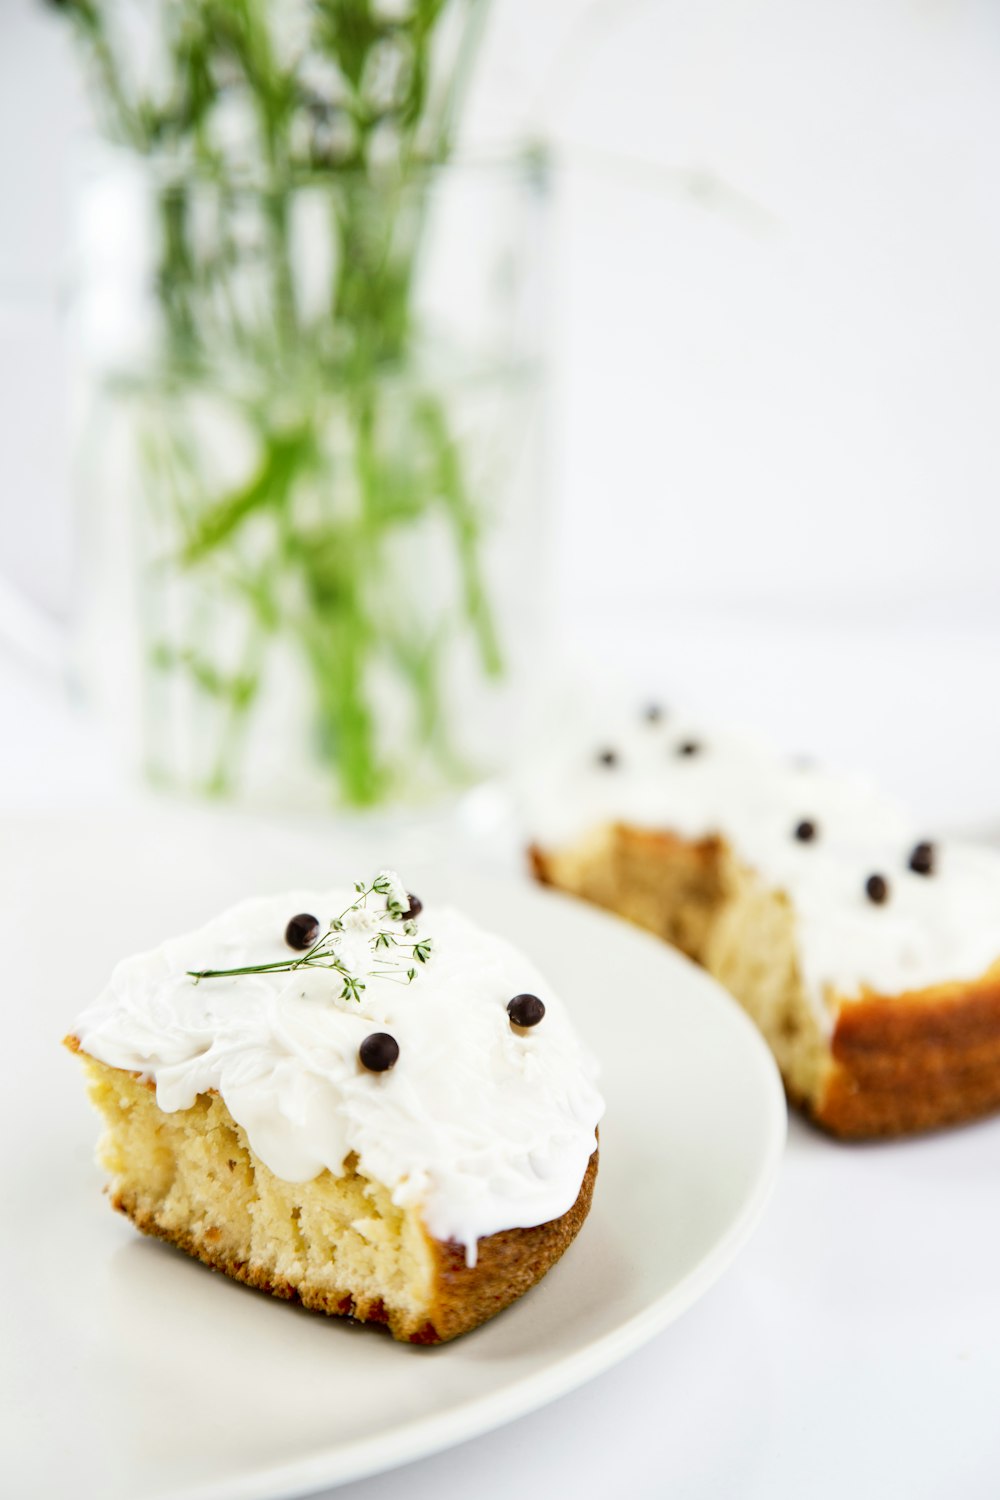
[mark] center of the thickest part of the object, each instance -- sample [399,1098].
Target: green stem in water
[466,526]
[324,585]
[237,716]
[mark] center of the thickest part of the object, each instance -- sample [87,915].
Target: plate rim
[338,1463]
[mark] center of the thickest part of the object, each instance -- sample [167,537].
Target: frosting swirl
[479,1126]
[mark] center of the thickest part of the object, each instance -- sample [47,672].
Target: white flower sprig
[357,927]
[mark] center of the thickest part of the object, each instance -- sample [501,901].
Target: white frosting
[483,1128]
[933,929]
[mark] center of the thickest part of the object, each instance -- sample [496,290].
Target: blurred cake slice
[867,956]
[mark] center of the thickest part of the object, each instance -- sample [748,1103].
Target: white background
[776,363]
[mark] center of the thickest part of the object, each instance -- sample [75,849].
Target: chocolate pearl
[379,1052]
[922,859]
[302,931]
[689,747]
[525,1010]
[414,909]
[608,758]
[877,889]
[652,713]
[806,831]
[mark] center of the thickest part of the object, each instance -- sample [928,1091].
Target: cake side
[336,1243]
[696,895]
[913,1062]
[860,1067]
[666,884]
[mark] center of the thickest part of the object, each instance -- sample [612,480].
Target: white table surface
[854,1348]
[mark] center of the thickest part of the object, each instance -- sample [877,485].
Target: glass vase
[310,444]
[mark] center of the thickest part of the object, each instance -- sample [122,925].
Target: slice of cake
[341,1098]
[867,956]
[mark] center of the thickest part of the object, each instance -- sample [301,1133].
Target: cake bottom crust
[444,1297]
[508,1265]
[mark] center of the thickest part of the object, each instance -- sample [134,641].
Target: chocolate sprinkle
[302,931]
[877,889]
[379,1052]
[806,831]
[608,758]
[922,859]
[525,1010]
[689,747]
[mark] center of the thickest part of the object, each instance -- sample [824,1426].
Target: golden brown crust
[894,1065]
[508,1264]
[912,1062]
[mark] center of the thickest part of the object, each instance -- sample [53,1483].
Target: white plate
[134,1373]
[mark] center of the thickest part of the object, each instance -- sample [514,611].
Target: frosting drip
[931,930]
[481,1128]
